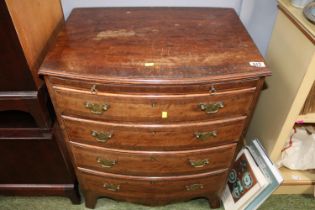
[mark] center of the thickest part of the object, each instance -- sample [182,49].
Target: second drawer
[154,137]
[146,163]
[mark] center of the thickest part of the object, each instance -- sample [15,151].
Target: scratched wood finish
[153,45]
[137,108]
[164,189]
[154,137]
[153,163]
[143,62]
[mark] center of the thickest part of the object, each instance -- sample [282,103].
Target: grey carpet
[275,202]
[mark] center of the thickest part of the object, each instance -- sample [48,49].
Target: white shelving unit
[291,58]
[307,118]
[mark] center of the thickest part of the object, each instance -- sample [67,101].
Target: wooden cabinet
[153,101]
[33,162]
[33,159]
[291,58]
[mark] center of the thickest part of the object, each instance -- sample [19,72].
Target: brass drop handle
[211,108]
[202,136]
[106,163]
[112,187]
[93,89]
[199,163]
[96,108]
[194,187]
[212,89]
[102,136]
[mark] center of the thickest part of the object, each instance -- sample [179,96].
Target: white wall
[257,15]
[68,5]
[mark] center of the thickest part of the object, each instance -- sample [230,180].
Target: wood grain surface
[142,108]
[128,86]
[154,191]
[153,45]
[153,163]
[144,89]
[36,23]
[154,137]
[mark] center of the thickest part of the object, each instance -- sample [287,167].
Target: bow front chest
[153,101]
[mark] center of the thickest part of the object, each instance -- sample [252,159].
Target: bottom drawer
[152,190]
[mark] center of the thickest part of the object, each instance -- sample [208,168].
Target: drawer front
[157,109]
[145,163]
[154,190]
[213,88]
[154,137]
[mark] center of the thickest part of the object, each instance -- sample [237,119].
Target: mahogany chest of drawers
[153,101]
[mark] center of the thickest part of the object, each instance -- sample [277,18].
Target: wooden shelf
[294,177]
[16,119]
[307,118]
[296,14]
[296,182]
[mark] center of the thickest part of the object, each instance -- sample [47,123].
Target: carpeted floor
[275,202]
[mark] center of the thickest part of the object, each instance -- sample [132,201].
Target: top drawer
[153,108]
[212,88]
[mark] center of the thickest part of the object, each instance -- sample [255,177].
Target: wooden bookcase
[291,58]
[33,158]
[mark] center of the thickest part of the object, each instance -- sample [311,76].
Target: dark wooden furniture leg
[90,199]
[214,202]
[74,195]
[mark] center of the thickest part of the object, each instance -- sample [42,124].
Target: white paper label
[257,64]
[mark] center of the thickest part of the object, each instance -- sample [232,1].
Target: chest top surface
[153,45]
